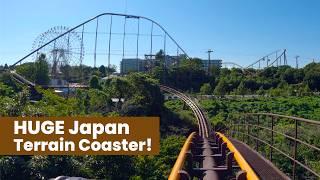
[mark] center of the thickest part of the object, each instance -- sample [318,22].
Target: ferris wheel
[66,50]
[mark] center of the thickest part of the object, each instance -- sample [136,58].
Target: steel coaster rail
[256,123]
[95,18]
[208,162]
[251,175]
[211,152]
[176,171]
[203,131]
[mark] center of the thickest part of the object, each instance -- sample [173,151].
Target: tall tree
[94,82]
[160,55]
[206,89]
[312,78]
[221,88]
[42,71]
[241,89]
[102,70]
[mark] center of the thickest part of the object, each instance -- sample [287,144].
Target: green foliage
[160,54]
[145,91]
[102,70]
[42,71]
[312,78]
[45,167]
[37,72]
[27,70]
[187,75]
[158,167]
[292,76]
[6,90]
[94,82]
[108,167]
[221,88]
[306,107]
[119,88]
[220,111]
[141,95]
[206,89]
[13,167]
[241,89]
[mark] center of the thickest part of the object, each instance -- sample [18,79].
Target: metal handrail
[175,175]
[289,117]
[289,137]
[280,151]
[277,117]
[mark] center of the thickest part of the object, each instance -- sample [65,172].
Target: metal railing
[289,142]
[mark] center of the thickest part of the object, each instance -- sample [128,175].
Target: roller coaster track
[213,152]
[239,153]
[126,16]
[224,155]
[20,79]
[204,130]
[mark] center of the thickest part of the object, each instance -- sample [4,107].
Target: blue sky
[240,31]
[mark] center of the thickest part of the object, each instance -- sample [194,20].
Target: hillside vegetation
[143,99]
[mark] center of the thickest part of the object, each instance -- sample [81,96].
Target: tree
[46,167]
[94,82]
[102,70]
[241,89]
[214,70]
[111,69]
[251,84]
[42,71]
[160,55]
[292,76]
[119,88]
[206,89]
[145,92]
[109,167]
[6,90]
[7,80]
[312,79]
[66,71]
[189,75]
[13,167]
[27,70]
[221,88]
[160,73]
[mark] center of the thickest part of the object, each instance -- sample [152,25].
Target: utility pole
[297,65]
[209,60]
[285,57]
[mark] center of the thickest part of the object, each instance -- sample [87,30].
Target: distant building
[132,65]
[213,62]
[58,82]
[142,65]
